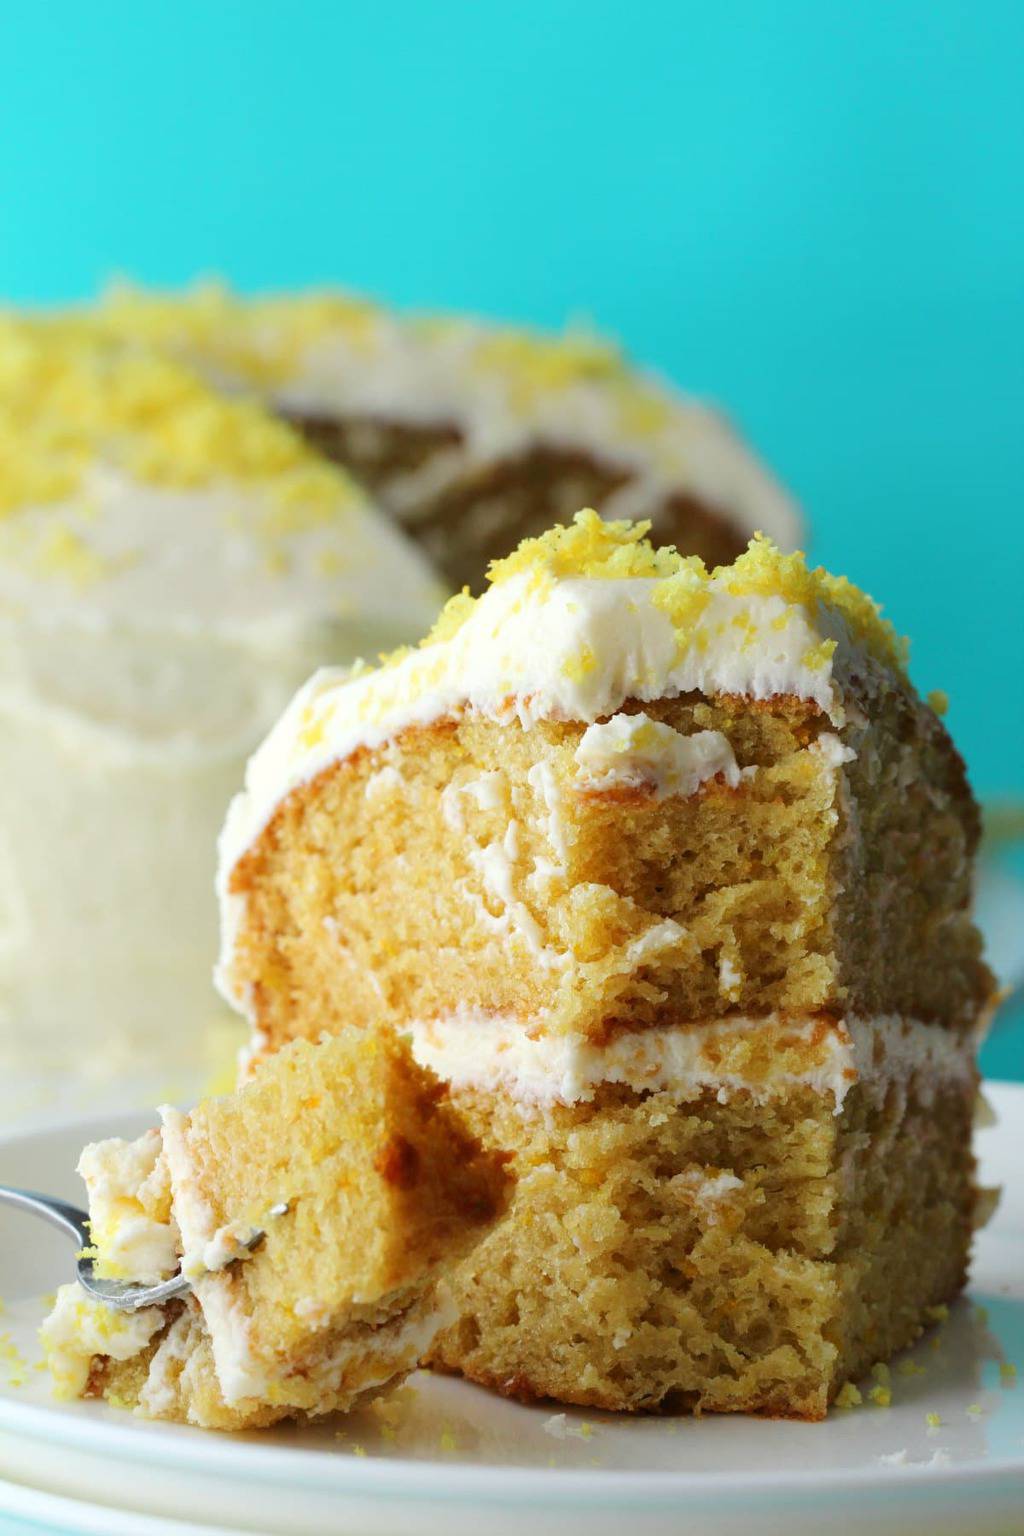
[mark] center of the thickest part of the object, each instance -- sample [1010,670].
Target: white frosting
[129,1208]
[79,1328]
[227,1244]
[440,374]
[227,1320]
[129,700]
[481,378]
[708,1192]
[636,752]
[575,649]
[493,1053]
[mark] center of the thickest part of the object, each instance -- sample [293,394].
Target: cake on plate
[173,563]
[368,1188]
[667,873]
[472,435]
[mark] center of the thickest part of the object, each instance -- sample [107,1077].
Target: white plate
[458,1460]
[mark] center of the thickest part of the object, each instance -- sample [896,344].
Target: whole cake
[366,1187]
[472,435]
[668,874]
[172,565]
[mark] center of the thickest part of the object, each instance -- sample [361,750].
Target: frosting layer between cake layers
[761,1057]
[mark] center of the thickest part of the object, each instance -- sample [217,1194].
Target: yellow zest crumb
[255,341]
[933,1420]
[938,701]
[590,547]
[763,569]
[577,667]
[531,366]
[69,400]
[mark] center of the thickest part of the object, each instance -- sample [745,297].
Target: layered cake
[366,1187]
[172,565]
[473,435]
[667,873]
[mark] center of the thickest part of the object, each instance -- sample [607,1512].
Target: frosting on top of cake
[135,497]
[70,401]
[502,388]
[573,625]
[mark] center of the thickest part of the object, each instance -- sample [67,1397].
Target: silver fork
[121,1295]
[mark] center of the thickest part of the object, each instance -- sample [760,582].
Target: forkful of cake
[278,1252]
[128,1295]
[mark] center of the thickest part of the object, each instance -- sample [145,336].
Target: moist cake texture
[472,435]
[667,872]
[368,1188]
[172,565]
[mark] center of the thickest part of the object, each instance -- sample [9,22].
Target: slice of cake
[473,435]
[668,873]
[172,566]
[348,1157]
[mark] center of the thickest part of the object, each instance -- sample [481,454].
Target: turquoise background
[812,212]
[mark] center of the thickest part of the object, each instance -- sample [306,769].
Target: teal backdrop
[811,212]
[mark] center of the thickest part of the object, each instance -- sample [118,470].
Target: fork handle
[72,1221]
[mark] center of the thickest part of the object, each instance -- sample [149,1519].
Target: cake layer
[468,866]
[615,790]
[681,1252]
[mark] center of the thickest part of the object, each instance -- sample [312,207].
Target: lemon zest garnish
[69,399]
[531,366]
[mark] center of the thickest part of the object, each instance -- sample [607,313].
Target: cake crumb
[848,1396]
[933,1420]
[1007,1372]
[881,1395]
[558,1425]
[974,1410]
